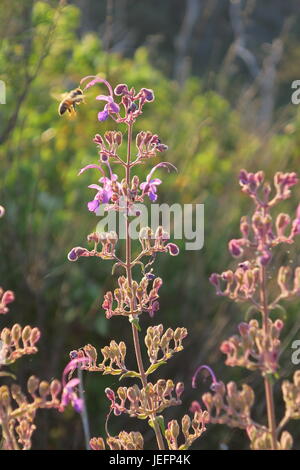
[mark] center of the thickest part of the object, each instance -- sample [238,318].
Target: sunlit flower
[149,187]
[111,107]
[104,193]
[5,298]
[69,393]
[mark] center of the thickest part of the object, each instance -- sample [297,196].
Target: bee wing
[59,96]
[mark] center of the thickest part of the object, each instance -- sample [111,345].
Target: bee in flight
[69,102]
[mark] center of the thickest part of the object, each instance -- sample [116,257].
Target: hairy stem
[84,414]
[135,334]
[267,381]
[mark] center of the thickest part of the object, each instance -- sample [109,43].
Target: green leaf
[155,366]
[183,447]
[130,373]
[110,371]
[8,374]
[142,416]
[151,423]
[115,266]
[135,322]
[271,378]
[161,422]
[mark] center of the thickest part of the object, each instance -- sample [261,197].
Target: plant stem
[83,414]
[268,384]
[8,438]
[135,334]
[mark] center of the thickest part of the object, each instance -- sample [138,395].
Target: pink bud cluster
[161,346]
[17,412]
[6,297]
[259,235]
[291,396]
[107,241]
[229,405]
[17,342]
[191,429]
[157,243]
[133,300]
[255,348]
[142,403]
[114,354]
[124,441]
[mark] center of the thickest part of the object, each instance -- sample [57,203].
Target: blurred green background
[222,73]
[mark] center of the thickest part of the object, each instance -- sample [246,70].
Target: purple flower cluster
[132,102]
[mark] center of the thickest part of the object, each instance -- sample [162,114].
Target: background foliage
[208,109]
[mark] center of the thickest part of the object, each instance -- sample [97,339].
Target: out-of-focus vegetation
[41,56]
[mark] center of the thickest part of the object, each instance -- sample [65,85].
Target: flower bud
[279,324]
[98,139]
[173,427]
[8,297]
[265,259]
[32,384]
[110,394]
[55,388]
[147,94]
[235,248]
[243,329]
[282,221]
[16,332]
[97,443]
[121,89]
[195,407]
[173,249]
[179,389]
[286,441]
[26,334]
[296,378]
[244,227]
[44,389]
[34,336]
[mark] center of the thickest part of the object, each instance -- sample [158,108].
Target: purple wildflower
[121,89]
[296,223]
[154,308]
[76,252]
[235,248]
[69,393]
[147,95]
[69,396]
[111,107]
[149,186]
[104,193]
[172,249]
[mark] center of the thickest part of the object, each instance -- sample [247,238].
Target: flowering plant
[257,346]
[146,400]
[17,411]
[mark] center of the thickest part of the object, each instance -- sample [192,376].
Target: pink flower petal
[87,167]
